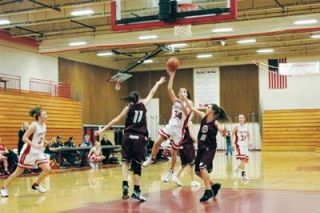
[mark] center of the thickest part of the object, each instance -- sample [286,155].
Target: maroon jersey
[207,134]
[187,138]
[136,121]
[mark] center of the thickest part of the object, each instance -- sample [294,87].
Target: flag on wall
[277,81]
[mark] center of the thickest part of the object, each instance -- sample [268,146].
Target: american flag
[277,81]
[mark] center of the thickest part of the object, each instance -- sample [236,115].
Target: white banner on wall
[301,68]
[206,86]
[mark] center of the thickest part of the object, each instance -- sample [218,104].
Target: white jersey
[37,137]
[178,118]
[242,135]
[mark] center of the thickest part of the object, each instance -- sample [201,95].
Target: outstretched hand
[162,80]
[170,72]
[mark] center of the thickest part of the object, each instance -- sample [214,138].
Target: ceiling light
[247,41]
[82,12]
[145,37]
[148,61]
[315,36]
[222,30]
[102,54]
[179,45]
[268,50]
[204,55]
[4,21]
[306,21]
[77,43]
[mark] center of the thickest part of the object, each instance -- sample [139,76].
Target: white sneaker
[168,176]
[4,192]
[148,162]
[38,188]
[236,172]
[177,181]
[96,166]
[195,183]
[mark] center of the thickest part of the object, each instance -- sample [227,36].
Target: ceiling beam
[53,7]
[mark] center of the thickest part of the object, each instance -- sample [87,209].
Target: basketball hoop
[118,78]
[184,30]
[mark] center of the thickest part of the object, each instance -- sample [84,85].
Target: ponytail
[133,97]
[220,113]
[35,112]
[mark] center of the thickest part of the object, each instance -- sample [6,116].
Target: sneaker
[4,192]
[244,175]
[177,181]
[215,189]
[125,192]
[207,195]
[6,172]
[168,176]
[195,183]
[148,162]
[36,186]
[137,195]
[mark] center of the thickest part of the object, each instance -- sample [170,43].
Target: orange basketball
[173,63]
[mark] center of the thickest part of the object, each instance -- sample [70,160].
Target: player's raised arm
[171,92]
[193,109]
[153,90]
[114,121]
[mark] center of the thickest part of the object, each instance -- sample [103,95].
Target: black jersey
[136,121]
[207,134]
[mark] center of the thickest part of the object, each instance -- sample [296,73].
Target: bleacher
[296,130]
[64,115]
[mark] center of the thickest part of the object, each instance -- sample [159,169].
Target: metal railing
[10,82]
[50,88]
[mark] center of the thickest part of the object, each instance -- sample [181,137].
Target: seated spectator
[106,152]
[83,154]
[57,143]
[95,156]
[86,142]
[53,155]
[69,142]
[70,156]
[3,157]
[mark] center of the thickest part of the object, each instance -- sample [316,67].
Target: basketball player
[32,154]
[241,140]
[135,135]
[95,155]
[175,129]
[187,156]
[207,145]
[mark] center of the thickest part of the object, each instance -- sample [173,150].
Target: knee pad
[136,168]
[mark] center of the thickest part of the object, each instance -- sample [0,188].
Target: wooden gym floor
[279,182]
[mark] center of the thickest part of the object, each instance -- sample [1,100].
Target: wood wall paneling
[239,90]
[101,102]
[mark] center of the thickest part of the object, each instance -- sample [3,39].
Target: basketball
[173,63]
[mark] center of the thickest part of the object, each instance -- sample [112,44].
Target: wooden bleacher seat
[64,116]
[296,130]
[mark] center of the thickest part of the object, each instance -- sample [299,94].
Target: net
[184,31]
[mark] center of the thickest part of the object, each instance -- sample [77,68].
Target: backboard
[129,15]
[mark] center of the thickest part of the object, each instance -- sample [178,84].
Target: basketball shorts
[174,133]
[187,154]
[31,160]
[242,151]
[204,160]
[133,147]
